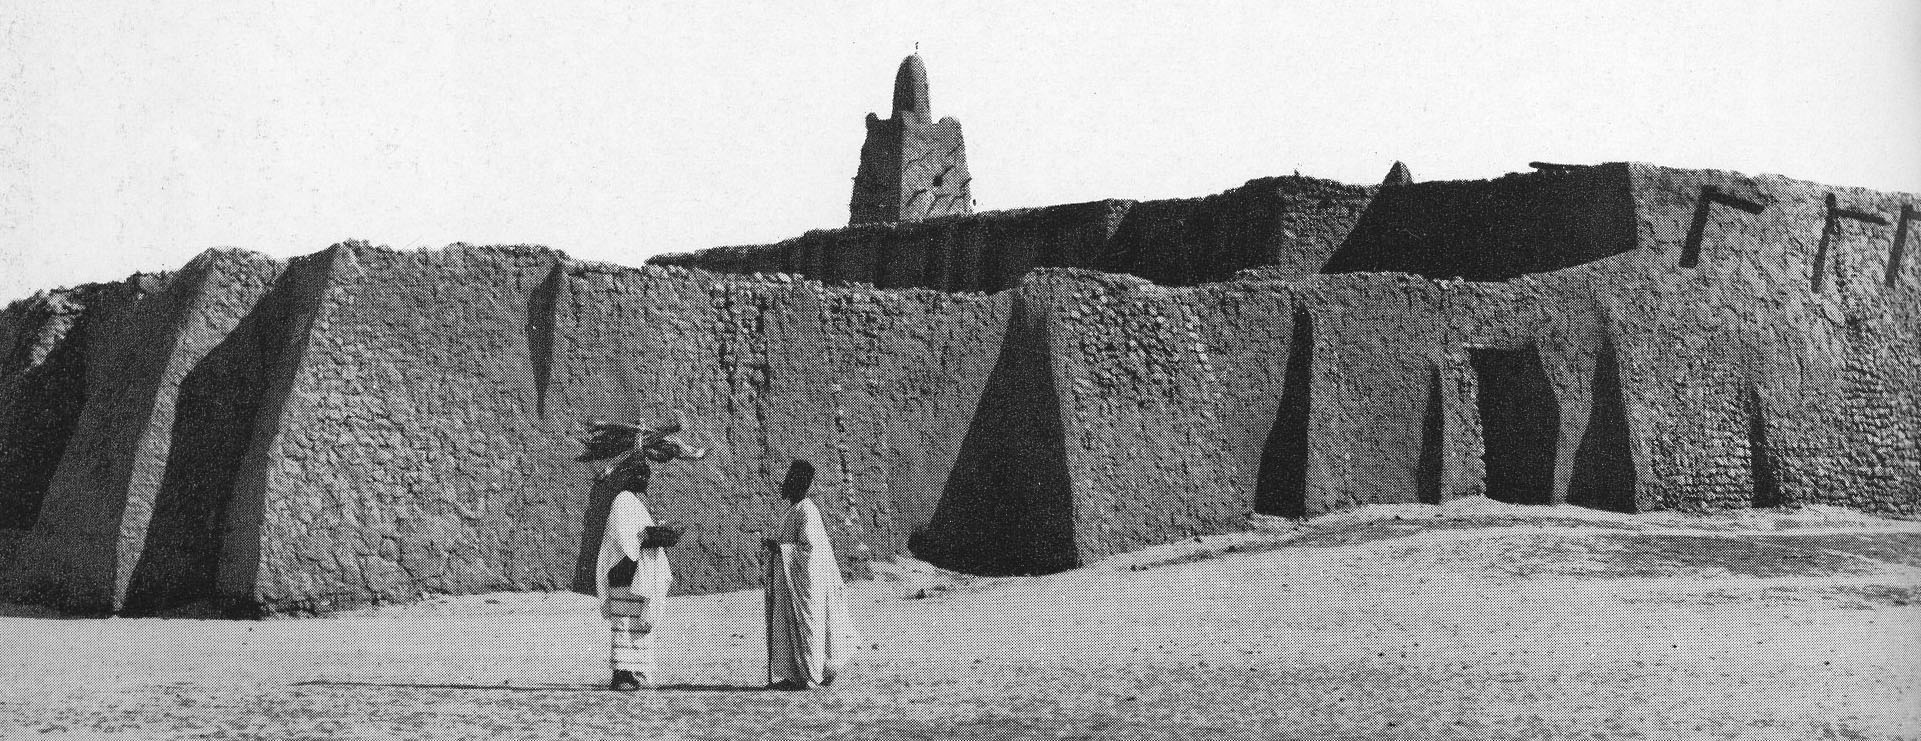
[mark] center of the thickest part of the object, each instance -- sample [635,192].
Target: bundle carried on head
[634,444]
[606,440]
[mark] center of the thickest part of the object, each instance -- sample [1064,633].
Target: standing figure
[631,574]
[810,635]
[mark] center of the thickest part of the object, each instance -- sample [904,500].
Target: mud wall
[143,339]
[875,389]
[1140,397]
[417,436]
[1007,508]
[404,440]
[1293,223]
[365,425]
[42,387]
[1781,367]
[1493,230]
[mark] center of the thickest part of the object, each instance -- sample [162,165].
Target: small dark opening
[937,180]
[1281,485]
[1520,425]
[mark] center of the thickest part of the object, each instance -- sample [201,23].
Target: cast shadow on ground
[529,687]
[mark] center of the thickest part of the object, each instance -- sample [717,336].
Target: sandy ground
[1470,621]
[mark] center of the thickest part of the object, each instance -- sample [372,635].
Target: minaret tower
[911,167]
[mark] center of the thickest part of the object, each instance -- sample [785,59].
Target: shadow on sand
[530,687]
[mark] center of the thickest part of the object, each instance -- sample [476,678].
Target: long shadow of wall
[1431,468]
[1281,487]
[1603,462]
[1007,507]
[217,412]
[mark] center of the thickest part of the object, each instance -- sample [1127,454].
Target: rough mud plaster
[1008,506]
[42,388]
[416,448]
[217,409]
[1292,223]
[408,453]
[1493,229]
[1603,474]
[410,411]
[470,487]
[1141,400]
[92,530]
[300,293]
[1559,320]
[1376,342]
[1429,477]
[1834,371]
[982,252]
[934,401]
[1281,483]
[9,543]
[770,371]
[1251,331]
[68,559]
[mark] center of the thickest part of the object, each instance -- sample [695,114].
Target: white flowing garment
[621,539]
[633,641]
[810,635]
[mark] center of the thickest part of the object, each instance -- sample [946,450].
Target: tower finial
[1398,175]
[910,89]
[912,167]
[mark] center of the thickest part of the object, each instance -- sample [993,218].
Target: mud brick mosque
[1010,392]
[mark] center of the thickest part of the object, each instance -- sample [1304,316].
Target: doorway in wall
[1520,424]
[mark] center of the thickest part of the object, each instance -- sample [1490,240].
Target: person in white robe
[810,633]
[635,609]
[633,581]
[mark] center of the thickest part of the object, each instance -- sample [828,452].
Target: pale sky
[133,135]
